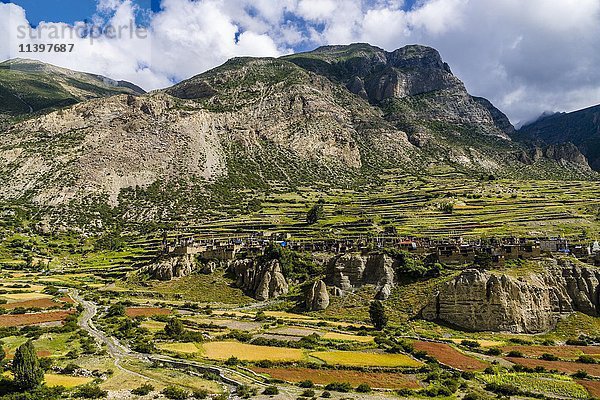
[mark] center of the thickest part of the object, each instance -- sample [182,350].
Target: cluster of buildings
[449,251]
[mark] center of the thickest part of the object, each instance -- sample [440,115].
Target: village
[447,251]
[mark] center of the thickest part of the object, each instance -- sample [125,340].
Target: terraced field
[409,204]
[546,384]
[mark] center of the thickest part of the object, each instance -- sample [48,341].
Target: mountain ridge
[252,124]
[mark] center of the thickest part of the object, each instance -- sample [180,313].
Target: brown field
[40,353]
[448,355]
[146,311]
[67,299]
[562,366]
[593,387]
[324,376]
[33,319]
[559,351]
[38,303]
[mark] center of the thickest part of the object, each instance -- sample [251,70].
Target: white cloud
[526,56]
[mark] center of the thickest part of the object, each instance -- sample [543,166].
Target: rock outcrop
[168,268]
[263,281]
[485,301]
[351,271]
[317,297]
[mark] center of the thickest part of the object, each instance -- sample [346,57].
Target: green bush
[306,384]
[494,351]
[175,393]
[271,391]
[308,393]
[200,394]
[363,388]
[548,357]
[343,387]
[143,390]
[587,359]
[472,344]
[246,391]
[325,395]
[90,392]
[515,353]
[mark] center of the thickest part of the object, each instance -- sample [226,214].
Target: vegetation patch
[65,380]
[33,319]
[361,359]
[546,384]
[249,352]
[562,366]
[448,355]
[383,380]
[133,312]
[186,348]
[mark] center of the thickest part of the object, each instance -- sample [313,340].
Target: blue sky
[80,10]
[67,10]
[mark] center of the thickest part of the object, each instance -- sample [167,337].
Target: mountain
[338,116]
[582,128]
[28,86]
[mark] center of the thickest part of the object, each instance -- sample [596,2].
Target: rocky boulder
[490,301]
[351,271]
[317,297]
[263,281]
[169,268]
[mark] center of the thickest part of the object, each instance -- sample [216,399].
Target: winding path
[118,351]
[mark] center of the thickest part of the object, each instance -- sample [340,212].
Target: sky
[527,57]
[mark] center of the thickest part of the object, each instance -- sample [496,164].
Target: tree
[174,327]
[377,314]
[316,213]
[26,367]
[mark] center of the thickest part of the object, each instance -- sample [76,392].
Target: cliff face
[263,281]
[582,128]
[351,271]
[483,301]
[169,268]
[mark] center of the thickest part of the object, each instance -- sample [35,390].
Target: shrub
[343,387]
[473,396]
[515,353]
[246,391]
[90,392]
[306,384]
[175,393]
[587,359]
[143,390]
[470,343]
[308,393]
[576,342]
[363,388]
[581,375]
[494,351]
[200,394]
[548,357]
[271,391]
[325,395]
[232,361]
[503,389]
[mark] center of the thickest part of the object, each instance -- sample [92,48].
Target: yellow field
[153,325]
[14,297]
[308,319]
[482,342]
[360,359]
[249,352]
[187,348]
[347,337]
[65,380]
